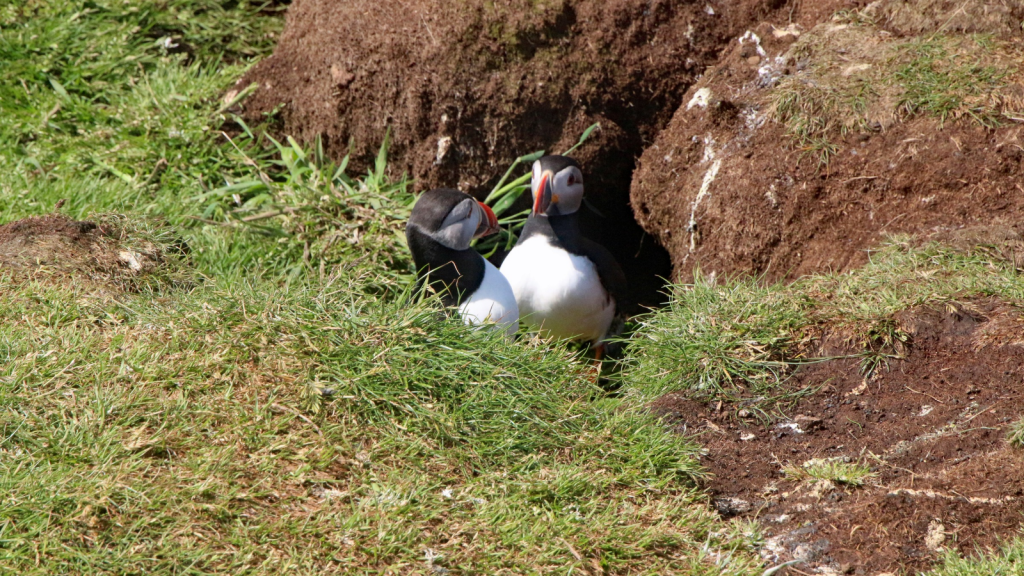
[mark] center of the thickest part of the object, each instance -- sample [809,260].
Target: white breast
[493,301]
[558,293]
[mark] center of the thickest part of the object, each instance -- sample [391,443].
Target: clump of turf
[852,74]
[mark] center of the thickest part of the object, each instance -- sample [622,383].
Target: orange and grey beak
[488,227]
[542,195]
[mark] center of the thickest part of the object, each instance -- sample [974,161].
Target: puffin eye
[572,179]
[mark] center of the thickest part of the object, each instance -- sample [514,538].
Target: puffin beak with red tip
[489,225]
[542,196]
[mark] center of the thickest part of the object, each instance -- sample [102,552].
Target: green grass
[94,110]
[950,78]
[311,427]
[1015,435]
[278,402]
[832,469]
[1009,561]
[853,79]
[289,409]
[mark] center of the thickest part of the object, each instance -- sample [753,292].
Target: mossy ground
[867,69]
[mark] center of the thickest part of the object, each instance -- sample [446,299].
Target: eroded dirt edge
[931,428]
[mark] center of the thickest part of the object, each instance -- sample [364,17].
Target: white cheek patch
[570,196]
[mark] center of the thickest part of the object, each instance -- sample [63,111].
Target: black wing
[612,276]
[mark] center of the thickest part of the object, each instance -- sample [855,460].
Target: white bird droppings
[443,145]
[130,258]
[936,535]
[701,98]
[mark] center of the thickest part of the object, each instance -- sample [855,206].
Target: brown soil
[466,87]
[932,427]
[775,213]
[95,255]
[770,208]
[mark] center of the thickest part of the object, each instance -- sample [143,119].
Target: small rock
[131,259]
[341,76]
[859,389]
[821,488]
[810,551]
[443,145]
[747,437]
[732,506]
[808,423]
[790,426]
[744,414]
[700,99]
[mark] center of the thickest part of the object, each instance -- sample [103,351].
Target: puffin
[566,285]
[440,229]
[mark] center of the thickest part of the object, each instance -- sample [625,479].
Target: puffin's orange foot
[598,356]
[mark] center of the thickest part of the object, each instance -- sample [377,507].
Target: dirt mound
[803,147]
[926,435]
[95,254]
[466,87]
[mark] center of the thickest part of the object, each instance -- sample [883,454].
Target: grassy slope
[287,415]
[281,416]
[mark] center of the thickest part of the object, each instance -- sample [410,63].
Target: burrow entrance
[465,88]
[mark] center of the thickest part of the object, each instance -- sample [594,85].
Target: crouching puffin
[440,229]
[566,285]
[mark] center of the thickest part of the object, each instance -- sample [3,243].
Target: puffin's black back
[452,273]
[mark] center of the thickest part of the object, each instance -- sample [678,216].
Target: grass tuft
[835,470]
[1006,561]
[1015,433]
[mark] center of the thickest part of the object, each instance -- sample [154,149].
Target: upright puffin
[440,229]
[566,285]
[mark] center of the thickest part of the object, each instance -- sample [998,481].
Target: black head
[452,218]
[557,185]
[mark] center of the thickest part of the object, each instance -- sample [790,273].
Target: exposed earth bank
[930,428]
[803,147]
[466,87]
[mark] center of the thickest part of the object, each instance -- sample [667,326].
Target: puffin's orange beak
[491,226]
[542,196]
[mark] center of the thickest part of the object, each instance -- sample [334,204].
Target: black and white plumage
[440,229]
[566,285]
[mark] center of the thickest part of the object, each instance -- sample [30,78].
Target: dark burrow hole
[606,217]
